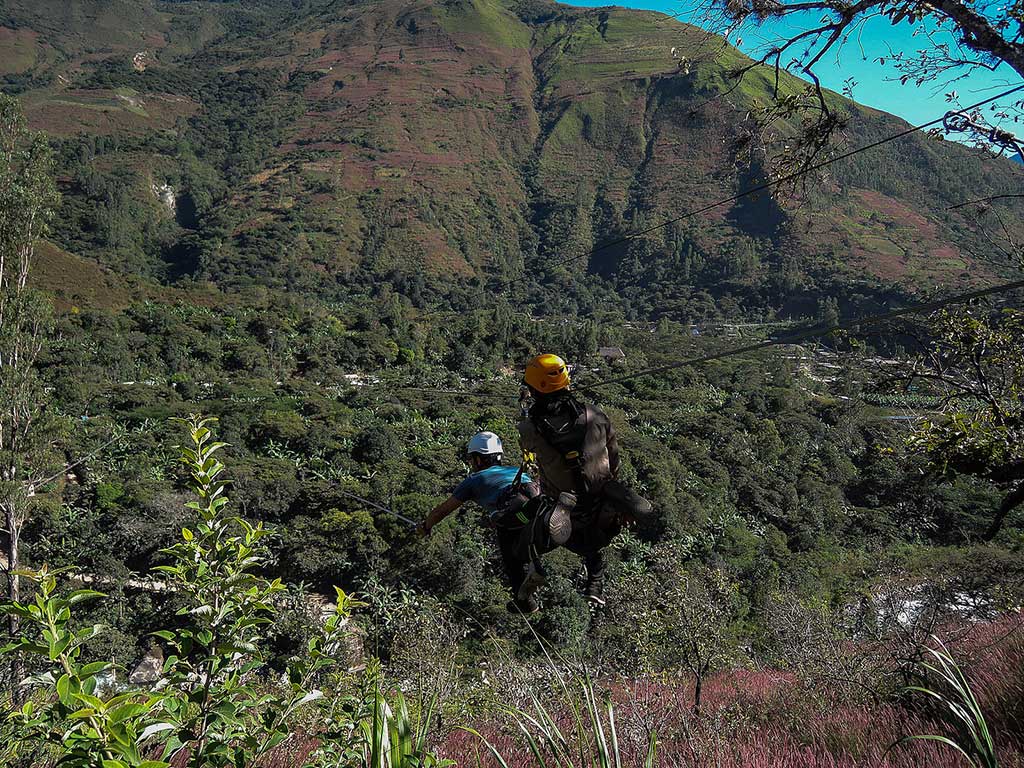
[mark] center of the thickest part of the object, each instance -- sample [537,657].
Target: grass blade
[614,735]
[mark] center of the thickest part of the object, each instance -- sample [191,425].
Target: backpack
[569,440]
[522,513]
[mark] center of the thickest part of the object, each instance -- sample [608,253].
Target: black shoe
[524,607]
[594,592]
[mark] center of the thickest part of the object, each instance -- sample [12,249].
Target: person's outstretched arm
[439,513]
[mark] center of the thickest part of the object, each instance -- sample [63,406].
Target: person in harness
[577,454]
[502,491]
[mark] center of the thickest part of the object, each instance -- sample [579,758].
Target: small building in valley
[611,354]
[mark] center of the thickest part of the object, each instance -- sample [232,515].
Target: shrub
[213,705]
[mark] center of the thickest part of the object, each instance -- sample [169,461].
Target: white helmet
[486,444]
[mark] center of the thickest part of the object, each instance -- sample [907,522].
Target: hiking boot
[594,591]
[533,581]
[560,520]
[524,607]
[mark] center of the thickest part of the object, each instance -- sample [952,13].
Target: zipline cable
[78,462]
[810,333]
[751,191]
[403,518]
[460,392]
[792,338]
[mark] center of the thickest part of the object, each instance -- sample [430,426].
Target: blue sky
[877,84]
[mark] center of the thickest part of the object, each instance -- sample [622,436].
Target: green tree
[587,335]
[88,731]
[976,365]
[214,712]
[828,311]
[28,197]
[675,618]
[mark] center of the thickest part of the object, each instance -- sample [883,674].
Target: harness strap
[518,482]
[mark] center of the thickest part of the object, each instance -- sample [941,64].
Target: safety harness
[517,484]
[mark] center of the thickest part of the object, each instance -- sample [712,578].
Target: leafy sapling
[218,708]
[65,718]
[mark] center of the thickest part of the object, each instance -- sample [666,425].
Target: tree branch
[979,34]
[1012,500]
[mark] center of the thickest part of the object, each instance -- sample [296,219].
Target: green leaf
[94,668]
[90,701]
[940,739]
[119,734]
[26,646]
[89,632]
[276,739]
[81,595]
[59,646]
[15,609]
[490,747]
[311,696]
[127,711]
[63,688]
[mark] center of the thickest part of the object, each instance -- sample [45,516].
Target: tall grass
[763,718]
[581,734]
[752,718]
[589,739]
[393,739]
[958,708]
[380,734]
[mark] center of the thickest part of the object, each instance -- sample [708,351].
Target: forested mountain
[327,146]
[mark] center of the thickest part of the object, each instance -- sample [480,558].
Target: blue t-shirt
[485,487]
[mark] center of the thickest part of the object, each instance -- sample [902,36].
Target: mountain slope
[327,146]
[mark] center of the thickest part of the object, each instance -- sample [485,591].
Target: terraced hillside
[329,146]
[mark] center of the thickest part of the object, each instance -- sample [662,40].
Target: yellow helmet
[547,373]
